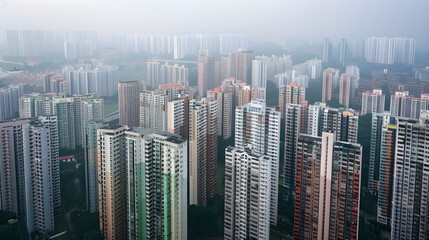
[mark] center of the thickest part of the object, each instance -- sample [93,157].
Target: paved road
[3,61]
[112,116]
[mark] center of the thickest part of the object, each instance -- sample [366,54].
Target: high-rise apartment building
[340,121]
[357,48]
[176,91]
[54,83]
[174,74]
[158,74]
[129,103]
[203,130]
[197,152]
[78,49]
[386,171]
[343,123]
[51,122]
[153,74]
[91,163]
[196,120]
[31,43]
[388,50]
[378,125]
[243,93]
[206,72]
[373,101]
[9,97]
[72,113]
[292,131]
[312,68]
[343,52]
[315,118]
[241,65]
[248,186]
[403,105]
[327,50]
[225,102]
[353,70]
[153,110]
[176,117]
[212,147]
[89,78]
[30,171]
[258,126]
[224,68]
[36,104]
[330,76]
[259,73]
[157,181]
[180,46]
[274,65]
[327,188]
[64,109]
[112,182]
[409,201]
[348,89]
[230,94]
[290,94]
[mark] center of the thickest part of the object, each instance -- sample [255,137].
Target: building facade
[259,126]
[409,201]
[112,182]
[324,209]
[157,185]
[129,96]
[373,102]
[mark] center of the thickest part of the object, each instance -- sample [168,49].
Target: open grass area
[110,107]
[206,222]
[84,223]
[60,224]
[10,232]
[368,204]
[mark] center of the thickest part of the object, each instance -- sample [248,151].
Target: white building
[9,97]
[78,49]
[403,105]
[259,73]
[409,209]
[248,186]
[373,102]
[258,126]
[388,50]
[92,78]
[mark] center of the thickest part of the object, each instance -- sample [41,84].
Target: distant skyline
[270,20]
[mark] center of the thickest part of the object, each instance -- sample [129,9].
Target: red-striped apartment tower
[327,188]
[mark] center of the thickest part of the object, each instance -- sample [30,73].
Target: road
[112,116]
[3,61]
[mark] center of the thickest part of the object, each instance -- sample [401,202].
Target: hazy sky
[262,19]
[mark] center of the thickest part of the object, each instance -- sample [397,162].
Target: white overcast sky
[261,19]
